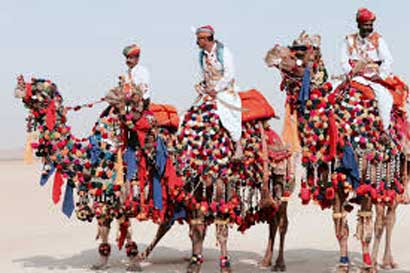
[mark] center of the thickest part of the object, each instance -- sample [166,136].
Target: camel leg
[222,232]
[162,230]
[131,249]
[267,259]
[388,261]
[197,233]
[283,228]
[342,234]
[378,231]
[104,249]
[364,233]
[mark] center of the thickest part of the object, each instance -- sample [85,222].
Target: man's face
[365,28]
[132,61]
[202,40]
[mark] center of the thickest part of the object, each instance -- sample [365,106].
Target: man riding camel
[366,57]
[218,82]
[137,73]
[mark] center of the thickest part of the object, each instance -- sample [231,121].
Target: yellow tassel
[290,131]
[28,151]
[119,168]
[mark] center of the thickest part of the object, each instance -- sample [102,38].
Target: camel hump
[255,106]
[165,114]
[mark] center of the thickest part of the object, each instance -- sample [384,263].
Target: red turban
[207,29]
[365,15]
[131,50]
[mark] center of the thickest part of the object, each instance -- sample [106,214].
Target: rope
[85,105]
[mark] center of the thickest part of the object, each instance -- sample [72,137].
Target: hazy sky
[78,45]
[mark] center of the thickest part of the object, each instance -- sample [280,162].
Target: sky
[78,43]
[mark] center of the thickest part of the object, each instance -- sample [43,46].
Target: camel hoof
[142,256]
[265,263]
[279,268]
[389,265]
[193,268]
[368,269]
[226,270]
[134,267]
[99,266]
[343,268]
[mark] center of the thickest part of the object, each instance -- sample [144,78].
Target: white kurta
[365,49]
[227,96]
[140,76]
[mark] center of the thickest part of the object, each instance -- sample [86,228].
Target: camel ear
[20,90]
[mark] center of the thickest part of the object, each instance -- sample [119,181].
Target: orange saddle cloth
[255,106]
[396,86]
[165,114]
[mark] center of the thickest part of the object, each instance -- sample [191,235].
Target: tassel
[28,151]
[51,115]
[123,233]
[58,183]
[119,167]
[68,202]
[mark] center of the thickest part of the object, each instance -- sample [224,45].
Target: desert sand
[37,237]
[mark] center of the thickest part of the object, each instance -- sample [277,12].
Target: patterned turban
[131,50]
[365,15]
[205,29]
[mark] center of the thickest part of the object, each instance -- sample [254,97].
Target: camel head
[292,60]
[38,94]
[127,99]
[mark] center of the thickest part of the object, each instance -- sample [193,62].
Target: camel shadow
[171,260]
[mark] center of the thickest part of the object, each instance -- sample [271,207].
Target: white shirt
[363,49]
[141,78]
[228,67]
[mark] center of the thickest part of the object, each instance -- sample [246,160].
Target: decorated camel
[128,146]
[348,158]
[121,171]
[218,190]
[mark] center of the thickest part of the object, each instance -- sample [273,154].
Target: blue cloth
[131,161]
[44,177]
[179,213]
[160,162]
[349,166]
[344,260]
[304,90]
[95,150]
[68,203]
[219,55]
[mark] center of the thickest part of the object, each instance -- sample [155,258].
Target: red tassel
[142,177]
[123,233]
[330,193]
[51,115]
[29,92]
[333,136]
[58,183]
[305,194]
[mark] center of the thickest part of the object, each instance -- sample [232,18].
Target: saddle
[255,106]
[165,114]
[394,84]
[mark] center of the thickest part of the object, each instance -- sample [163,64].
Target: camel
[108,189]
[224,191]
[265,200]
[255,190]
[348,157]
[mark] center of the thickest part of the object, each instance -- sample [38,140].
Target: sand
[37,237]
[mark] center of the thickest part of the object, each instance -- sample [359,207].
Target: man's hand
[359,67]
[212,93]
[376,78]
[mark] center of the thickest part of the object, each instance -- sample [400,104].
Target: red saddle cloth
[165,114]
[396,86]
[255,106]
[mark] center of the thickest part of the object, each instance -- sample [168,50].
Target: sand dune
[36,236]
